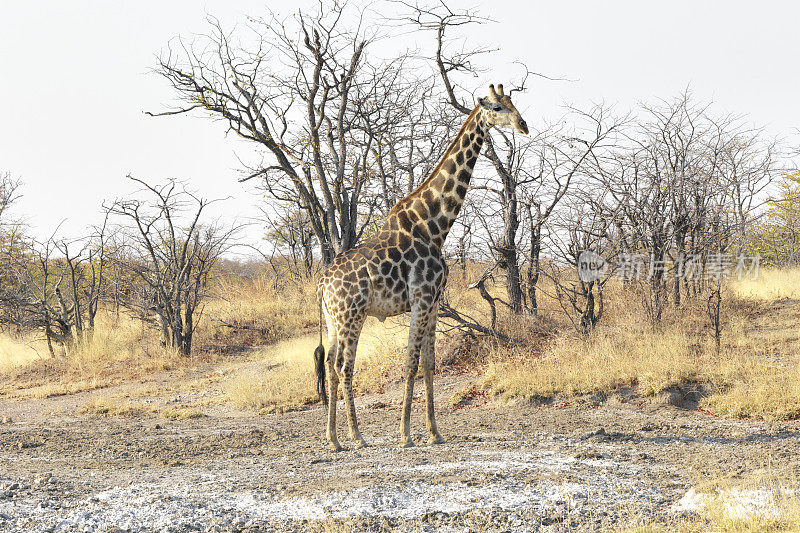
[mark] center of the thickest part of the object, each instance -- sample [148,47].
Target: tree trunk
[508,247]
[533,267]
[188,326]
[680,242]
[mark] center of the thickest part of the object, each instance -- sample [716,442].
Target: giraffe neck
[428,213]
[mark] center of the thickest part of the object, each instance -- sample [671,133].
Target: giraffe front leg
[428,368]
[333,393]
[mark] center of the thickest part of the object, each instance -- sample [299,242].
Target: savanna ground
[633,429]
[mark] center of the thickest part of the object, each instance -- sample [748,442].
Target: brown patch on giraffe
[433,227]
[420,209]
[403,220]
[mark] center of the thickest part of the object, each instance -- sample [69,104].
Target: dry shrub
[459,350]
[258,312]
[120,348]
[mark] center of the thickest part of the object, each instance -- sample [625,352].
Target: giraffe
[401,269]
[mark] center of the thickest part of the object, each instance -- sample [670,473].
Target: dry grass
[765,502]
[381,355]
[17,352]
[607,361]
[771,284]
[755,374]
[768,390]
[284,377]
[260,312]
[120,349]
[123,348]
[181,414]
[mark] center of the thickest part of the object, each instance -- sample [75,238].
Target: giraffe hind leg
[348,357]
[428,367]
[333,393]
[412,365]
[415,337]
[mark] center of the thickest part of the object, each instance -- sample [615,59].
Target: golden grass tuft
[182,413]
[17,352]
[771,284]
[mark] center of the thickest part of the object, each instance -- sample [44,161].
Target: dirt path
[504,467]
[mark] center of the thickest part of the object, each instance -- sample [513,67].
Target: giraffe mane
[445,156]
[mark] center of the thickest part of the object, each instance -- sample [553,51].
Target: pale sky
[75,80]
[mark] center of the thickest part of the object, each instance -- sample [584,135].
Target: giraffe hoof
[335,447]
[406,443]
[362,444]
[436,439]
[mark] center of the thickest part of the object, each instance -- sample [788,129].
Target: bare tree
[172,252]
[291,233]
[326,116]
[9,194]
[411,130]
[554,159]
[583,247]
[682,167]
[53,286]
[56,287]
[506,162]
[13,245]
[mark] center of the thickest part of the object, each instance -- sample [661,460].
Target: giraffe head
[501,112]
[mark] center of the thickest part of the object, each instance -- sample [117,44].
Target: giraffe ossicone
[401,269]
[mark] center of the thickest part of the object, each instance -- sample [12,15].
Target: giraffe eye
[496,107]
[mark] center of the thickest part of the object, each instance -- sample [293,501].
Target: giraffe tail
[319,362]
